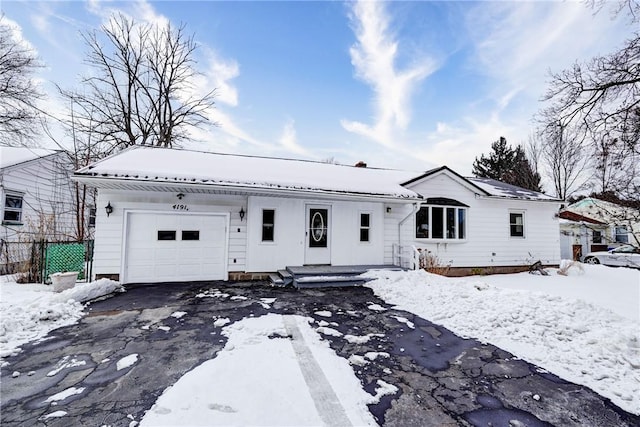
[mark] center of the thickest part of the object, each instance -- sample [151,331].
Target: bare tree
[564,157]
[599,102]
[602,95]
[82,147]
[620,7]
[141,91]
[18,91]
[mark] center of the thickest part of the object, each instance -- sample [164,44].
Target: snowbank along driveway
[113,366]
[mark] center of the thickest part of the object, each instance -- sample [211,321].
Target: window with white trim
[92,217]
[622,234]
[442,222]
[596,236]
[268,224]
[516,224]
[12,208]
[365,226]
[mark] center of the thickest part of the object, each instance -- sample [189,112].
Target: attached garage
[170,247]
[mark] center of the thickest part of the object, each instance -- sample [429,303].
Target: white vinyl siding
[487,238]
[48,207]
[110,234]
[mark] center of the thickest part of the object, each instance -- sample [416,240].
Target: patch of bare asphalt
[442,379]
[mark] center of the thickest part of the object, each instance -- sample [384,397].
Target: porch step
[329,281]
[276,280]
[324,276]
[286,276]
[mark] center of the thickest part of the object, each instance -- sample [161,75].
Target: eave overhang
[195,186]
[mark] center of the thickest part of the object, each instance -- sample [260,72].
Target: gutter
[481,197]
[122,184]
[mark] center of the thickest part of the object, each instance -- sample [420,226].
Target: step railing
[406,256]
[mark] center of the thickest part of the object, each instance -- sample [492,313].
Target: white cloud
[219,72]
[373,57]
[288,139]
[517,43]
[15,32]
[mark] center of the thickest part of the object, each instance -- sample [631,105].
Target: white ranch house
[178,215]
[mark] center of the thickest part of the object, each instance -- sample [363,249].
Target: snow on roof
[184,166]
[501,189]
[10,156]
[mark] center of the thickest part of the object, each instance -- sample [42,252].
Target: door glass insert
[190,235]
[166,235]
[318,227]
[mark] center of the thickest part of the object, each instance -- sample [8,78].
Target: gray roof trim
[152,184]
[451,171]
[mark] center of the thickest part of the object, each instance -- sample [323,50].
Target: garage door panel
[201,255]
[165,255]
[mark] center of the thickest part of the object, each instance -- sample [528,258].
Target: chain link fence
[35,261]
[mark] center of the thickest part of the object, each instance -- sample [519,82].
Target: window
[516,224]
[166,235]
[597,236]
[12,208]
[365,223]
[268,216]
[92,217]
[422,223]
[622,235]
[190,235]
[441,222]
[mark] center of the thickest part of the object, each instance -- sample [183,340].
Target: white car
[623,256]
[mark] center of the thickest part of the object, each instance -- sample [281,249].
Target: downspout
[416,207]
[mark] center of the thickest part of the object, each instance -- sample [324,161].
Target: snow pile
[617,289]
[576,340]
[257,379]
[30,311]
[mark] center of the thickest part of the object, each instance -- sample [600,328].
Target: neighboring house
[622,223]
[580,235]
[36,200]
[172,215]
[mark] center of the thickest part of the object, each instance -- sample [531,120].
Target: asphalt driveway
[442,378]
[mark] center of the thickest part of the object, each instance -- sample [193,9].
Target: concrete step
[329,281]
[286,276]
[276,280]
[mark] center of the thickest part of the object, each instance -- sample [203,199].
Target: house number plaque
[180,207]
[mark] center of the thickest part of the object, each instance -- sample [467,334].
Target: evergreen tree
[507,164]
[522,173]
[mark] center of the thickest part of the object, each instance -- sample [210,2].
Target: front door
[318,249]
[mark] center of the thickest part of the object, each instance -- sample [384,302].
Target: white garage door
[169,247]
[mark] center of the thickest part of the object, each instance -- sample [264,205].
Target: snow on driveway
[30,311]
[274,370]
[564,324]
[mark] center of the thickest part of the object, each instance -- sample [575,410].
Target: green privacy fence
[62,257]
[35,260]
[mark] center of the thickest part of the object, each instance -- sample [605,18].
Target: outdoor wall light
[108,209]
[388,209]
[241,213]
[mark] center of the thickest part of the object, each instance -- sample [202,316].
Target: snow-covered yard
[583,327]
[30,311]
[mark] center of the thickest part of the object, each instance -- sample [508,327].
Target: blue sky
[408,85]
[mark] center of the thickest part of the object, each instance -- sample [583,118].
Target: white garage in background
[168,246]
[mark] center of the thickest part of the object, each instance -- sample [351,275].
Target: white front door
[318,244]
[170,247]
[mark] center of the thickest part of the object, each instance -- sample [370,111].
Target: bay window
[443,221]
